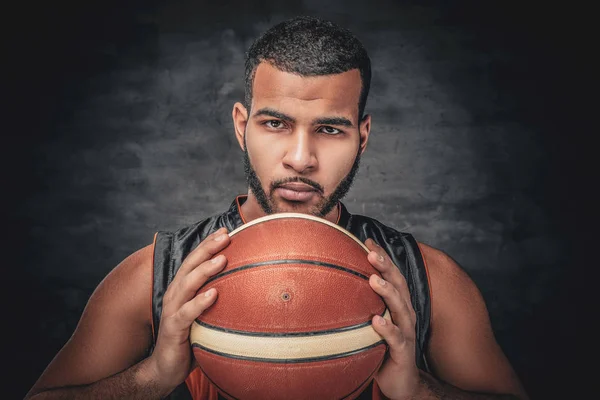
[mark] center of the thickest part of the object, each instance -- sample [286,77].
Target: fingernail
[380,320]
[381,281]
[209,292]
[217,259]
[220,238]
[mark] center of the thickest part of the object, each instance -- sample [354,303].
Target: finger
[202,273]
[389,271]
[188,312]
[399,366]
[210,246]
[185,287]
[402,313]
[398,343]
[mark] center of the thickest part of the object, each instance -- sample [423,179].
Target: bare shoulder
[126,292]
[132,277]
[455,298]
[447,277]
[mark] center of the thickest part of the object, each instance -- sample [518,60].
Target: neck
[251,210]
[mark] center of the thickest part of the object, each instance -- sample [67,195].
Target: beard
[325,205]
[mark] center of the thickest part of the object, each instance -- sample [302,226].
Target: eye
[330,131]
[274,124]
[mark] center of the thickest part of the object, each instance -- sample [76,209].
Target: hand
[398,377]
[173,359]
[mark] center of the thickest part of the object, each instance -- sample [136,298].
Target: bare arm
[135,382]
[463,353]
[465,360]
[102,357]
[107,356]
[434,389]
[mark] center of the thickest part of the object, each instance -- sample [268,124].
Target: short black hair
[309,46]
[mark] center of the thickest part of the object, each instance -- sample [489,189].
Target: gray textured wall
[128,130]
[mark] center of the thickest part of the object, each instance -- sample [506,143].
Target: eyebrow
[340,121]
[275,114]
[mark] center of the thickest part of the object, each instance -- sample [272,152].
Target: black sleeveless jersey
[171,248]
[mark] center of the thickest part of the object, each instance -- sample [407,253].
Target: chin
[296,207]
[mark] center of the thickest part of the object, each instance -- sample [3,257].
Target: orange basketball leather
[293,300]
[332,379]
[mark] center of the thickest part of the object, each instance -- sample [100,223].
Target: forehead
[326,93]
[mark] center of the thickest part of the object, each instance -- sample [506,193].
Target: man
[302,129]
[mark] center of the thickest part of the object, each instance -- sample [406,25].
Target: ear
[240,120]
[364,129]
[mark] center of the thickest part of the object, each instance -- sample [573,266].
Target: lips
[298,187]
[296,191]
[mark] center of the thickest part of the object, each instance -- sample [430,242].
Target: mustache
[292,179]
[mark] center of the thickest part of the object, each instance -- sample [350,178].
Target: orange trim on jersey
[152,289]
[200,387]
[428,283]
[237,200]
[339,207]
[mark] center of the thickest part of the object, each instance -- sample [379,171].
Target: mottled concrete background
[124,128]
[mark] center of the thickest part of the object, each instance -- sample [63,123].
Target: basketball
[293,315]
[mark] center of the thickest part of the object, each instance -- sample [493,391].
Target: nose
[300,155]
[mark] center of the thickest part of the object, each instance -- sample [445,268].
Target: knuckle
[181,314]
[203,272]
[402,304]
[402,282]
[199,276]
[167,321]
[168,297]
[185,286]
[208,241]
[182,285]
[408,309]
[399,336]
[202,251]
[393,293]
[400,286]
[390,293]
[209,249]
[413,313]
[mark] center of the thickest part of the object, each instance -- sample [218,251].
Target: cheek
[343,155]
[263,155]
[337,165]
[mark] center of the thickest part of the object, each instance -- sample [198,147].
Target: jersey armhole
[152,289]
[428,284]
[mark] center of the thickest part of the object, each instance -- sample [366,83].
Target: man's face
[302,141]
